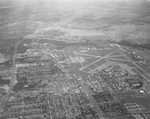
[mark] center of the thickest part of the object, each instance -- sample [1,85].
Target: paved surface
[12,73]
[94,103]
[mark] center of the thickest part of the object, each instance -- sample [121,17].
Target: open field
[145,68]
[89,61]
[85,56]
[86,70]
[122,61]
[117,53]
[94,66]
[101,53]
[93,59]
[100,62]
[74,68]
[144,77]
[119,57]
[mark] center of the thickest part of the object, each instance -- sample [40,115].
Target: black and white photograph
[74,59]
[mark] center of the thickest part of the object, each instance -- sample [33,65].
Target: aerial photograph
[74,59]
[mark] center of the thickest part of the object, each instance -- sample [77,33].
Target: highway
[12,73]
[123,51]
[94,103]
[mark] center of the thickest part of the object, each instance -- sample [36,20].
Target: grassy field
[115,54]
[119,57]
[122,62]
[89,61]
[74,68]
